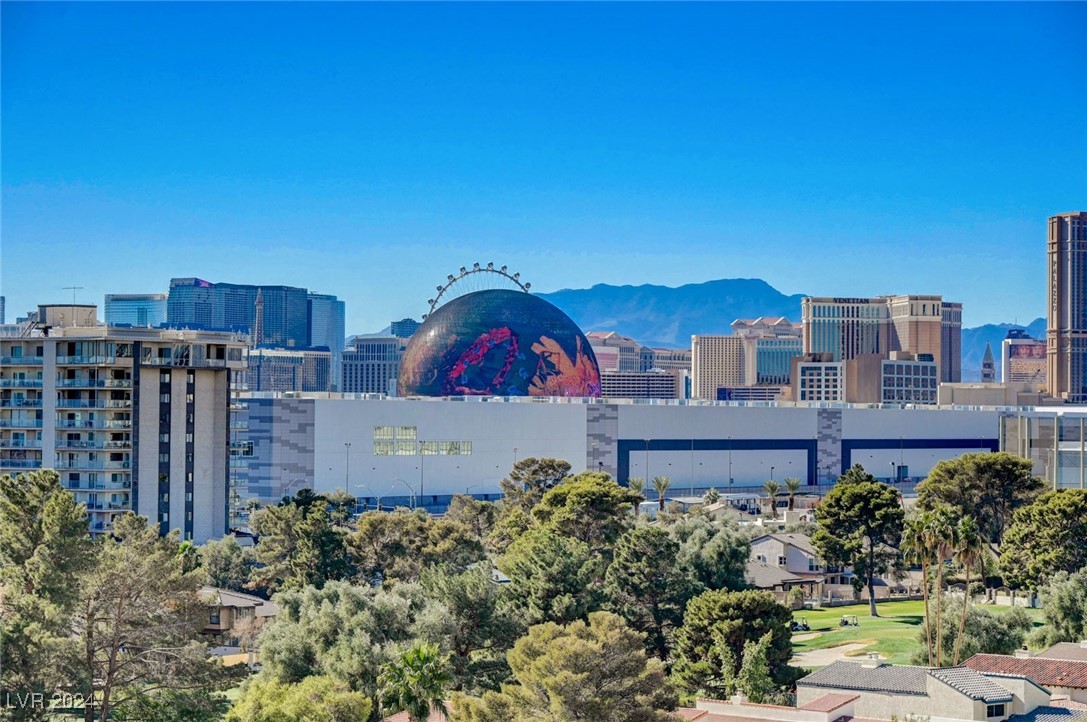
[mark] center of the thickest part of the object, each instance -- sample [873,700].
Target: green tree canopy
[44,546]
[713,551]
[314,699]
[341,631]
[553,578]
[478,516]
[299,545]
[589,507]
[416,681]
[985,632]
[646,586]
[529,480]
[478,633]
[1046,537]
[717,626]
[226,564]
[988,487]
[1064,606]
[139,620]
[597,671]
[860,526]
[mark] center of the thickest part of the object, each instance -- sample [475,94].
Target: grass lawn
[893,634]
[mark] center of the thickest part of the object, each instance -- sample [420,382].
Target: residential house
[230,614]
[1062,677]
[795,554]
[958,693]
[1074,651]
[777,580]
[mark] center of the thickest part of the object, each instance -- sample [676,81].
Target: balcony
[94,404]
[20,443]
[88,383]
[20,423]
[20,463]
[97,444]
[20,383]
[94,465]
[20,403]
[85,360]
[21,360]
[110,488]
[93,424]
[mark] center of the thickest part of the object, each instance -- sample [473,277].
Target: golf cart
[800,625]
[849,620]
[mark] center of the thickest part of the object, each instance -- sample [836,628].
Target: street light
[411,493]
[771,473]
[291,483]
[472,486]
[378,496]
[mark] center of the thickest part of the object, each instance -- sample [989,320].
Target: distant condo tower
[1066,333]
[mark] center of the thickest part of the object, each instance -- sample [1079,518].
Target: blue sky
[367,150]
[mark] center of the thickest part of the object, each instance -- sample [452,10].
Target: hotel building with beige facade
[133,419]
[1066,331]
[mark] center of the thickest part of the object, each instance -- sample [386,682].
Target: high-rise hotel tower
[1066,335]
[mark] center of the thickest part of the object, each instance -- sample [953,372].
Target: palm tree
[637,485]
[416,682]
[916,551]
[970,550]
[792,485]
[772,488]
[660,485]
[942,535]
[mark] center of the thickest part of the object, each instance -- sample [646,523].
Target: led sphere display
[499,343]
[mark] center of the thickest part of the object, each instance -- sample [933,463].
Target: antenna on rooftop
[73,289]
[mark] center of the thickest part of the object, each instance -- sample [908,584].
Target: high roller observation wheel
[471,280]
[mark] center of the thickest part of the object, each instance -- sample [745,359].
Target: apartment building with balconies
[131,419]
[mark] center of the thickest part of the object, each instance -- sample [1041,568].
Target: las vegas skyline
[369,150]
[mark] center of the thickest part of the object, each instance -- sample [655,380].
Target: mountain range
[667,317]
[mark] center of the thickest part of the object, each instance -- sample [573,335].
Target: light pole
[291,483]
[469,488]
[515,456]
[347,463]
[771,473]
[411,493]
[378,496]
[894,474]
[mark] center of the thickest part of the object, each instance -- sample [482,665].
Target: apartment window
[213,618]
[164,377]
[164,438]
[782,561]
[812,566]
[164,398]
[994,710]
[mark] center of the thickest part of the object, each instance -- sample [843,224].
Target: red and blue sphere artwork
[499,343]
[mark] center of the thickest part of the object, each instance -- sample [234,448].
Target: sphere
[499,343]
